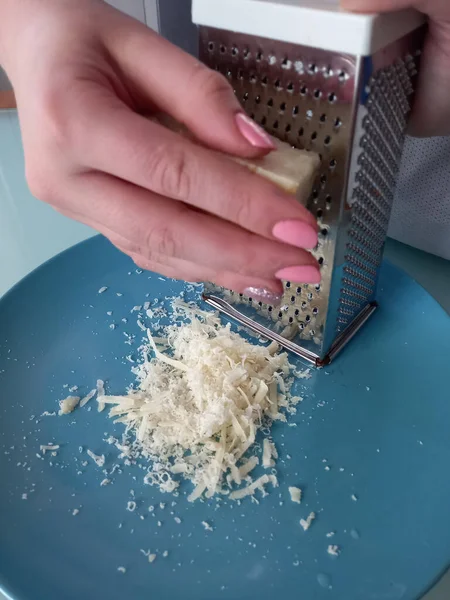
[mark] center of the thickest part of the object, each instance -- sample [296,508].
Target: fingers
[268,292]
[197,96]
[431,112]
[369,6]
[159,229]
[135,149]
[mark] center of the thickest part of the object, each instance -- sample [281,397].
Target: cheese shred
[196,410]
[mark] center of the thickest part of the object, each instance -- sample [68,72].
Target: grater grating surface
[353,112]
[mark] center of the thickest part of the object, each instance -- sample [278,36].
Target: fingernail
[300,274]
[263,295]
[253,133]
[297,233]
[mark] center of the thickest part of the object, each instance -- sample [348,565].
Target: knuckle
[210,84]
[242,209]
[160,242]
[170,172]
[41,184]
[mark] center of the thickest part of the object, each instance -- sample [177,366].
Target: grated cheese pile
[196,412]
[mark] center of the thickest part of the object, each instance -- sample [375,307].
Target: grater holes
[259,56]
[299,289]
[245,97]
[296,312]
[301,132]
[287,129]
[240,74]
[303,90]
[282,107]
[278,85]
[270,102]
[234,51]
[324,232]
[319,213]
[328,201]
[312,69]
[295,110]
[314,136]
[246,53]
[323,179]
[290,87]
[288,284]
[315,194]
[338,123]
[252,78]
[222,49]
[342,76]
[286,63]
[211,47]
[263,121]
[332,98]
[265,80]
[309,114]
[327,140]
[317,94]
[257,99]
[275,125]
[333,164]
[323,118]
[320,260]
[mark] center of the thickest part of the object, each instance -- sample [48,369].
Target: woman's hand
[431,114]
[83,75]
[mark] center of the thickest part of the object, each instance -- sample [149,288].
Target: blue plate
[371,449]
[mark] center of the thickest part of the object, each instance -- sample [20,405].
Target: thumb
[178,84]
[370,6]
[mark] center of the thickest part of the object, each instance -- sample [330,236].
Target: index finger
[140,151]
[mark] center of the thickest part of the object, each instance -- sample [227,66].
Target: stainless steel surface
[352,111]
[229,311]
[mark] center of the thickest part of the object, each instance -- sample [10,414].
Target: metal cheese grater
[346,97]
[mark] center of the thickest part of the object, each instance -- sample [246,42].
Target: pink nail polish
[297,233]
[263,295]
[300,274]
[253,133]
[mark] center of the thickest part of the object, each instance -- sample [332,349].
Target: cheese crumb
[333,550]
[296,494]
[151,558]
[207,526]
[121,569]
[306,524]
[99,460]
[49,447]
[75,512]
[67,405]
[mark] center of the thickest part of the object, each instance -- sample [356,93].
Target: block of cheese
[290,169]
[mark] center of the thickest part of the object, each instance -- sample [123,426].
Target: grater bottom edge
[312,358]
